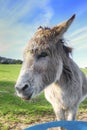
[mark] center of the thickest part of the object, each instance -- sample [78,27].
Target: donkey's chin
[28,97]
[25,97]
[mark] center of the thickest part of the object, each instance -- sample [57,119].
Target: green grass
[84,70]
[13,109]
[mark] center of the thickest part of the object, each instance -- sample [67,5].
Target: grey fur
[64,84]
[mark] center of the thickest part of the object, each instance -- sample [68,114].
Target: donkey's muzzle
[24,92]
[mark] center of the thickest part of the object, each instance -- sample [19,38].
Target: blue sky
[19,19]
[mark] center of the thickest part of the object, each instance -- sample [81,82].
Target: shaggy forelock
[43,41]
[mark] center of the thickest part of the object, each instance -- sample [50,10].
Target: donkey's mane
[67,69]
[67,49]
[45,28]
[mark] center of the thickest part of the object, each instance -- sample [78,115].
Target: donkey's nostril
[25,87]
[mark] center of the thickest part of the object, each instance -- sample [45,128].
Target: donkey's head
[43,60]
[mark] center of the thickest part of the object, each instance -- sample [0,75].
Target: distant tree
[4,60]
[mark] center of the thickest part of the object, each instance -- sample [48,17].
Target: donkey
[48,66]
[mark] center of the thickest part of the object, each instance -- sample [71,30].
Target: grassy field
[16,114]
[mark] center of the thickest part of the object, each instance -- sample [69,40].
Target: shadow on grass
[7,87]
[4,70]
[6,83]
[83,105]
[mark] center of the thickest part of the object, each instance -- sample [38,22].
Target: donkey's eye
[43,54]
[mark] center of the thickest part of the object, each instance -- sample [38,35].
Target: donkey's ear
[62,28]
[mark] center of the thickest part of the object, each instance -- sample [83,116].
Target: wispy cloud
[3,49]
[78,38]
[78,31]
[13,32]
